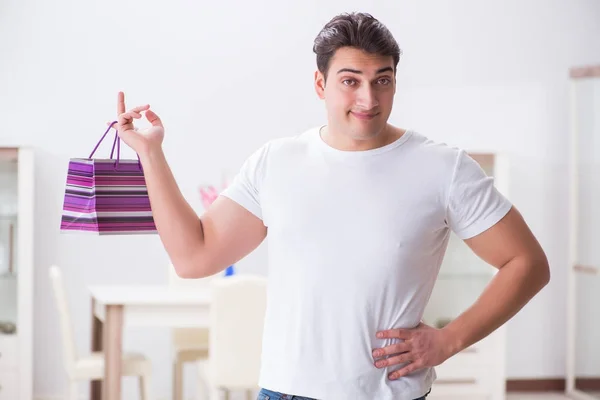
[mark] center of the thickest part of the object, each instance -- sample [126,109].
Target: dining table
[117,307]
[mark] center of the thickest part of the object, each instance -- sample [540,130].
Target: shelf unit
[478,372]
[583,289]
[16,272]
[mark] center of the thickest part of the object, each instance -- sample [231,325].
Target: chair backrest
[68,339]
[188,337]
[237,313]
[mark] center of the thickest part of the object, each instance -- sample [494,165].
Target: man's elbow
[547,274]
[541,271]
[192,268]
[184,271]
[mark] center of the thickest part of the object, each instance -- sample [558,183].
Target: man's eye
[384,81]
[348,82]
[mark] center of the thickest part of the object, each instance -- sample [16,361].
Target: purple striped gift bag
[106,196]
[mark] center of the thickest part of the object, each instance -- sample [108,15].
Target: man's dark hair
[358,30]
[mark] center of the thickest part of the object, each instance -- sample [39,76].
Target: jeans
[265,394]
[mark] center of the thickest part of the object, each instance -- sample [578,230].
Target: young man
[358,214]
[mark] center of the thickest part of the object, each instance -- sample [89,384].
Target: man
[358,214]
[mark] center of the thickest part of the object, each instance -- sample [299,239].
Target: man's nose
[367,98]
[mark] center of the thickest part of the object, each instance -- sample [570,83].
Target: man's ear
[320,84]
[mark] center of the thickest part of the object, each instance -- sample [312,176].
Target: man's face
[358,93]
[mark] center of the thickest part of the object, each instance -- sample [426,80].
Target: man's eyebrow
[355,71]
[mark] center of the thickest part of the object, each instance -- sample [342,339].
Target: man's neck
[344,142]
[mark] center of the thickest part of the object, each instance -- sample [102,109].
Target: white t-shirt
[355,243]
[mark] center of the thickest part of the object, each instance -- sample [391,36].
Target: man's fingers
[126,121]
[399,359]
[413,366]
[140,108]
[391,349]
[394,333]
[130,116]
[153,118]
[120,103]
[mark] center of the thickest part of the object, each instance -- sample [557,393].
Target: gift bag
[106,196]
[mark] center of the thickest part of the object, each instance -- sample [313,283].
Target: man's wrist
[150,154]
[455,342]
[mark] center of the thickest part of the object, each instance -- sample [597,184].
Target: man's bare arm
[197,247]
[523,271]
[523,267]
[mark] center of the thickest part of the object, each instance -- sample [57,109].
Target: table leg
[96,386]
[113,344]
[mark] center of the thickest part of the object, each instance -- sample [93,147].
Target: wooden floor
[538,396]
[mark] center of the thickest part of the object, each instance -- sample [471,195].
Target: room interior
[84,315]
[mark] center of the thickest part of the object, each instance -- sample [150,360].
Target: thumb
[153,118]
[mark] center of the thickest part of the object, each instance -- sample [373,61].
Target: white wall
[225,77]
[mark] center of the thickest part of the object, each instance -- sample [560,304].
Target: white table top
[148,295]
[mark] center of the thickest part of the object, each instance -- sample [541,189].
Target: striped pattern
[102,197]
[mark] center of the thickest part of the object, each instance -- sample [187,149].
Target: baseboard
[550,385]
[55,397]
[535,385]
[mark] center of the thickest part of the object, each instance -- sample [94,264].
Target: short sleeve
[474,203]
[246,185]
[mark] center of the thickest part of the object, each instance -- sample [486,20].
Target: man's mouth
[364,116]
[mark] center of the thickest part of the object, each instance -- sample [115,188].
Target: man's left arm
[523,267]
[510,246]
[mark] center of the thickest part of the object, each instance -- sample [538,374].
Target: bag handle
[116,141]
[102,138]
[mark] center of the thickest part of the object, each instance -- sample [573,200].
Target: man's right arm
[198,247]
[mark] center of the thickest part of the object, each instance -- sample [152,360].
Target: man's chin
[369,129]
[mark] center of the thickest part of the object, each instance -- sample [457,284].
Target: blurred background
[225,77]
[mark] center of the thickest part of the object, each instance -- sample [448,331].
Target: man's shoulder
[292,142]
[434,151]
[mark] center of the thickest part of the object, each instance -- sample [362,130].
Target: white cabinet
[8,367]
[8,352]
[16,273]
[478,372]
[9,386]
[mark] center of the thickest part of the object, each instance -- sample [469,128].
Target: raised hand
[142,141]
